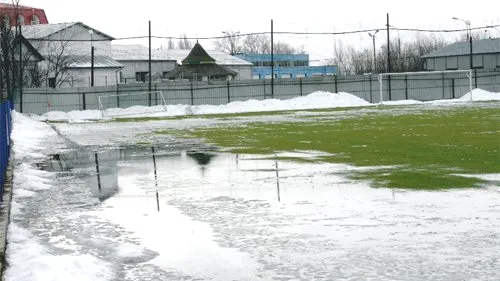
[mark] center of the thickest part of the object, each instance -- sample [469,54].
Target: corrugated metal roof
[40,31]
[141,53]
[99,62]
[482,46]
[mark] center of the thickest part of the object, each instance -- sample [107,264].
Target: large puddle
[158,213]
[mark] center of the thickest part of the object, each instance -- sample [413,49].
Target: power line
[263,33]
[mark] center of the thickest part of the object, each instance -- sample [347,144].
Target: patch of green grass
[425,147]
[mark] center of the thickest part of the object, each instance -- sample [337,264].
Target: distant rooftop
[41,31]
[462,48]
[141,53]
[99,62]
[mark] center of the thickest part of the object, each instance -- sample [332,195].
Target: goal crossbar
[468,72]
[101,105]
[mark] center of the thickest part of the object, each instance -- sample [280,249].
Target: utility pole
[388,47]
[272,60]
[92,66]
[20,70]
[149,64]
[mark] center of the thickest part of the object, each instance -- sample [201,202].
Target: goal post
[127,100]
[467,74]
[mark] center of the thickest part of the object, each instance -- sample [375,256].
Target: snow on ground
[211,227]
[311,101]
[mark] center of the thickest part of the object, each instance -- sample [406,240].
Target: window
[20,20]
[35,20]
[498,60]
[451,63]
[430,64]
[6,21]
[141,76]
[300,63]
[477,61]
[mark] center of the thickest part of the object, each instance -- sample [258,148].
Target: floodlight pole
[374,50]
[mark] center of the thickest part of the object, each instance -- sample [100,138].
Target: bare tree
[253,44]
[59,55]
[405,56]
[230,43]
[184,43]
[171,44]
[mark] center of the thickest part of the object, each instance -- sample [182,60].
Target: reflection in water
[202,158]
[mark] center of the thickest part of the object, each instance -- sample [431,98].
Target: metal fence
[5,130]
[423,87]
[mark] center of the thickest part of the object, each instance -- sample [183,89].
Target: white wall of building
[80,77]
[131,67]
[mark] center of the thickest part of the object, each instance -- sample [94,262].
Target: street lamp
[469,37]
[374,52]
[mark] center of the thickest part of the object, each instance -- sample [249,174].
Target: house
[285,66]
[457,56]
[67,49]
[198,65]
[135,59]
[25,15]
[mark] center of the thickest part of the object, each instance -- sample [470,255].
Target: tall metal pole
[272,60]
[388,59]
[374,50]
[149,64]
[388,47]
[21,68]
[470,45]
[92,66]
[374,54]
[91,32]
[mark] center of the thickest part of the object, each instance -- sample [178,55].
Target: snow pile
[26,143]
[480,95]
[28,258]
[311,101]
[26,263]
[314,100]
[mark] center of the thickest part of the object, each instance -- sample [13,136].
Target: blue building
[285,66]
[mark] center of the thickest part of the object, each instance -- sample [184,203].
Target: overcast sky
[202,18]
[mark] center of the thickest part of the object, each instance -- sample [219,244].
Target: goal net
[425,85]
[132,104]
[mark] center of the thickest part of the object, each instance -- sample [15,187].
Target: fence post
[20,101]
[453,88]
[228,93]
[156,94]
[406,86]
[442,83]
[336,86]
[84,102]
[264,87]
[371,90]
[300,83]
[475,78]
[117,95]
[192,94]
[390,87]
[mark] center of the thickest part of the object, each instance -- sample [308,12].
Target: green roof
[198,55]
